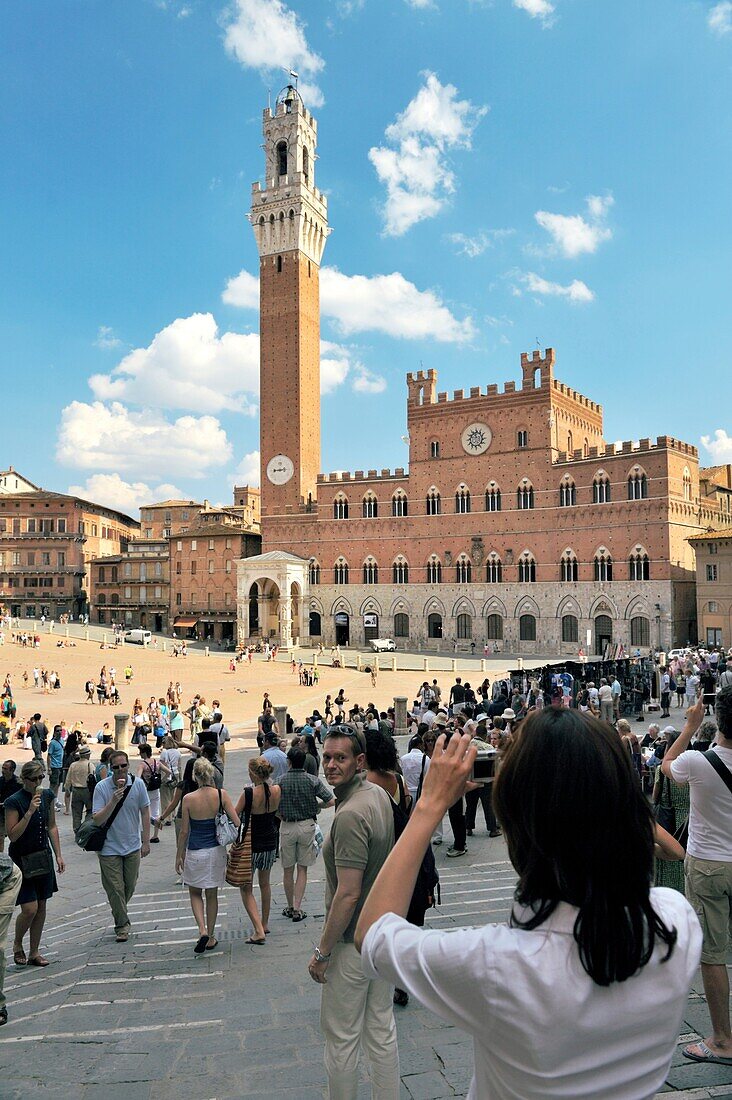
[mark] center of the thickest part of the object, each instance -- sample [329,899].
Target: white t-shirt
[692,683]
[605,693]
[710,819]
[412,768]
[540,1026]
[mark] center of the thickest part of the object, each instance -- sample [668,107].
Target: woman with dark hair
[557,1001]
[675,801]
[312,760]
[382,767]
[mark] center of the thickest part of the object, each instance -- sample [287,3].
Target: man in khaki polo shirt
[354,1010]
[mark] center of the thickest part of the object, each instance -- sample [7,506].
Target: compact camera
[484,765]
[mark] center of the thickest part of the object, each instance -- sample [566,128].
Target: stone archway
[279,581]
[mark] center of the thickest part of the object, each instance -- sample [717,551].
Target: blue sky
[497,173]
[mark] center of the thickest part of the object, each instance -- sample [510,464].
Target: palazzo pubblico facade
[516,525]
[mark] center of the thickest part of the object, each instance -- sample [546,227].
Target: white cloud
[379,303]
[413,166]
[421,3]
[334,366]
[98,436]
[573,234]
[537,9]
[719,446]
[248,470]
[477,244]
[368,382]
[576,291]
[719,18]
[125,496]
[187,365]
[107,338]
[268,36]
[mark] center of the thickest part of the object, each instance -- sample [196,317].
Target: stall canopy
[187,623]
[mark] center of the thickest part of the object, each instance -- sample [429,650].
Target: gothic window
[525,495]
[434,625]
[282,158]
[637,485]
[601,488]
[370,506]
[434,449]
[434,506]
[493,498]
[462,500]
[527,628]
[687,483]
[401,625]
[305,163]
[527,568]
[493,569]
[494,628]
[603,566]
[434,570]
[570,628]
[464,626]
[314,572]
[570,443]
[639,566]
[399,504]
[463,570]
[340,572]
[340,507]
[522,438]
[370,572]
[400,571]
[567,493]
[568,566]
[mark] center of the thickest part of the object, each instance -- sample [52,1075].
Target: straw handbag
[239,859]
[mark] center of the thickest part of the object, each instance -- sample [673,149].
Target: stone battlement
[345,476]
[628,447]
[573,395]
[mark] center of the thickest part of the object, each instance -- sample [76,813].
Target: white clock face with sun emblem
[476,438]
[280,469]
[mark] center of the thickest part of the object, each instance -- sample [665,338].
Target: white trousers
[355,1012]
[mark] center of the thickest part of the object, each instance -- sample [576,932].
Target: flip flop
[38,960]
[255,943]
[298,915]
[19,957]
[201,945]
[211,944]
[706,1055]
[288,912]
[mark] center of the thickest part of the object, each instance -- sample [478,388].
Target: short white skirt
[205,868]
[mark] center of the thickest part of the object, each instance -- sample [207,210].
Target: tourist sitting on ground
[557,1000]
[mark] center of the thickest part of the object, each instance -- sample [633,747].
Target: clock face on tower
[476,438]
[280,469]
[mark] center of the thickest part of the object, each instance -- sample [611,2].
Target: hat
[440,719]
[669,729]
[509,715]
[84,751]
[556,692]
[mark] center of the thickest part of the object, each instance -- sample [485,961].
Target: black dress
[34,839]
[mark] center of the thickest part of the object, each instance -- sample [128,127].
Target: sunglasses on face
[34,779]
[119,767]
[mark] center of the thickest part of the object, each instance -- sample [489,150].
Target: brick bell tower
[289,217]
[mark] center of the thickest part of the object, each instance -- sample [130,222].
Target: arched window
[463,570]
[434,625]
[640,631]
[434,570]
[370,506]
[637,485]
[493,498]
[114,599]
[100,575]
[282,158]
[462,499]
[114,573]
[527,568]
[400,571]
[570,628]
[522,438]
[570,443]
[314,572]
[340,507]
[305,163]
[525,495]
[639,566]
[370,571]
[434,448]
[316,626]
[464,626]
[603,566]
[340,572]
[493,569]
[401,625]
[601,488]
[399,506]
[687,483]
[568,566]
[585,447]
[434,506]
[494,628]
[567,493]
[279,265]
[101,599]
[527,628]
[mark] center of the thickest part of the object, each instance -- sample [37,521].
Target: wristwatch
[320,957]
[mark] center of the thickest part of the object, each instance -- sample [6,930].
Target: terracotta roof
[711,535]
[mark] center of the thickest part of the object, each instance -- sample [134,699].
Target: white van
[138,637]
[383,645]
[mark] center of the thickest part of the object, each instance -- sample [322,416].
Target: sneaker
[451,852]
[58,805]
[468,832]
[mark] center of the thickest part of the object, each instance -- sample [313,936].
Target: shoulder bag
[226,830]
[91,836]
[665,815]
[239,859]
[37,864]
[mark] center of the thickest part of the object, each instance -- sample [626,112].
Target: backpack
[91,782]
[427,887]
[153,782]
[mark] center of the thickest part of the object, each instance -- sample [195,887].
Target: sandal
[211,944]
[38,960]
[255,943]
[201,945]
[154,839]
[3,1016]
[298,915]
[19,957]
[288,912]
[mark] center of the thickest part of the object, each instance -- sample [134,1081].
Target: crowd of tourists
[590,940]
